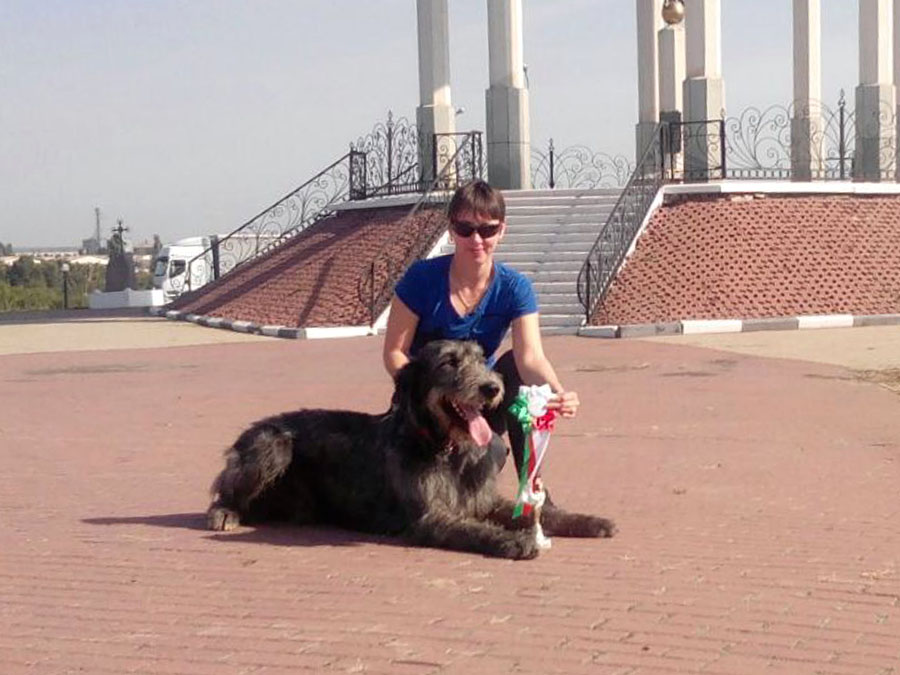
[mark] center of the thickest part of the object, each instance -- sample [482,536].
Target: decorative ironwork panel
[703,151]
[577,167]
[457,159]
[392,156]
[758,143]
[762,143]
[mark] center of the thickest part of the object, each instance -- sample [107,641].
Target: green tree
[25,272]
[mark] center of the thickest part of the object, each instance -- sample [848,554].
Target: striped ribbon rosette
[530,410]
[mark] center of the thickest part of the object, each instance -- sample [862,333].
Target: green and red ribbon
[536,430]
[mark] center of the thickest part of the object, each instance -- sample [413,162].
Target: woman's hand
[566,402]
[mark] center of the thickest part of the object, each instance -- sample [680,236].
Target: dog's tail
[258,458]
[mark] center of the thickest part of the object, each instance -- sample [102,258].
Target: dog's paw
[599,527]
[520,545]
[222,519]
[557,522]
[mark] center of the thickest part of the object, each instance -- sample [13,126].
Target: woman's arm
[533,365]
[401,328]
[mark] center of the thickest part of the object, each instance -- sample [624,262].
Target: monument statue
[120,268]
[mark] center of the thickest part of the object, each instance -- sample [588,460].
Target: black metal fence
[577,167]
[808,141]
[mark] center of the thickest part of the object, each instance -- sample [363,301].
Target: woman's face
[480,244]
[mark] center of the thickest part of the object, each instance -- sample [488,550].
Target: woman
[468,296]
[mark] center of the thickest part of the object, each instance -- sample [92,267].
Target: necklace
[475,294]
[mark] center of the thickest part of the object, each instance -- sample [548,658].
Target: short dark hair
[479,198]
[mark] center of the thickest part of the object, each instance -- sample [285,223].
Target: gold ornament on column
[673,11]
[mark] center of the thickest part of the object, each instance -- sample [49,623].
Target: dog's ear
[408,381]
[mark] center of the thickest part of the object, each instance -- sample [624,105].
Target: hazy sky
[187,117]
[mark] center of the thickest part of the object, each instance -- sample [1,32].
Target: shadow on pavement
[187,521]
[277,534]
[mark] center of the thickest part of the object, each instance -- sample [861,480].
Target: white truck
[170,266]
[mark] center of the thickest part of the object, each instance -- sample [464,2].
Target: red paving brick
[761,256]
[756,501]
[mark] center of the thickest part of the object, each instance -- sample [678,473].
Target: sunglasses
[464,229]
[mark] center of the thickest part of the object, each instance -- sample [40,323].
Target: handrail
[396,185]
[286,217]
[437,193]
[621,227]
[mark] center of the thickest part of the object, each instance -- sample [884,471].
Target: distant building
[92,246]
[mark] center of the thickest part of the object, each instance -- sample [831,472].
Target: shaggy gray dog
[421,470]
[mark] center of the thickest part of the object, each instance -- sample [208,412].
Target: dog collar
[449,445]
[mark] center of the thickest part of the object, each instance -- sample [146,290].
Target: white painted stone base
[825,321]
[508,139]
[695,327]
[876,139]
[127,298]
[704,99]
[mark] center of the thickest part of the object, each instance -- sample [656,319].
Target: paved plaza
[753,478]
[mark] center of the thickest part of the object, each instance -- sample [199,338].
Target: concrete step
[548,288]
[550,276]
[568,308]
[512,195]
[558,237]
[544,228]
[549,266]
[559,330]
[561,319]
[537,207]
[514,256]
[597,219]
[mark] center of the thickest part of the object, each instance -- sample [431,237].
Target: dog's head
[444,389]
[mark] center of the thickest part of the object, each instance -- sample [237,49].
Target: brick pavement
[756,500]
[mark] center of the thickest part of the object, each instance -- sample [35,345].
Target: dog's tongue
[478,427]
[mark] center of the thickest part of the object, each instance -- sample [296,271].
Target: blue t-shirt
[425,289]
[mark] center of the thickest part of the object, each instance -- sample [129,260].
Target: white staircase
[548,237]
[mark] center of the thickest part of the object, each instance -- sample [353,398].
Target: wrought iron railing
[802,141]
[274,225]
[623,223]
[694,151]
[456,158]
[577,167]
[392,158]
[464,164]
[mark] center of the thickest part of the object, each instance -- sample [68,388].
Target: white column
[896,37]
[876,134]
[704,90]
[508,120]
[435,113]
[806,123]
[649,21]
[671,80]
[671,68]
